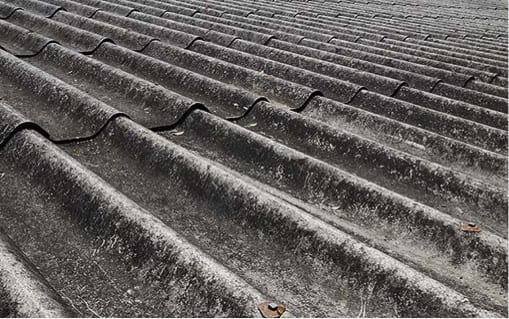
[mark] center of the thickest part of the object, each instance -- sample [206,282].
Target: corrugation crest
[139,7]
[414,79]
[458,128]
[175,37]
[23,288]
[11,121]
[275,89]
[114,218]
[233,31]
[223,99]
[7,9]
[380,84]
[36,6]
[206,34]
[21,42]
[482,71]
[341,90]
[124,37]
[74,38]
[444,75]
[61,110]
[108,6]
[75,7]
[163,5]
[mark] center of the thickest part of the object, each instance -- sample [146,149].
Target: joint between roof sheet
[300,40]
[129,13]
[155,40]
[21,127]
[11,13]
[93,13]
[190,44]
[90,137]
[55,12]
[438,81]
[192,109]
[471,78]
[35,52]
[402,84]
[490,81]
[248,110]
[272,37]
[195,12]
[165,11]
[330,39]
[89,52]
[307,101]
[231,42]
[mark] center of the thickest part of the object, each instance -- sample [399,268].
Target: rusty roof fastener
[470,227]
[272,306]
[271,309]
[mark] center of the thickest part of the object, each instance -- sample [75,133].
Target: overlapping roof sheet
[199,158]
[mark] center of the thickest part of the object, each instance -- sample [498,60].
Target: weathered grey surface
[165,158]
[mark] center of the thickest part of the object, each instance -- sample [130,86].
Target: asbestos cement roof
[200,158]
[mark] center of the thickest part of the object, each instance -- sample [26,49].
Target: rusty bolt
[272,306]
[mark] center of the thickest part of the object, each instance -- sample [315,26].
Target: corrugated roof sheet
[200,158]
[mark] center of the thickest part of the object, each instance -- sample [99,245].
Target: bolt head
[471,224]
[272,306]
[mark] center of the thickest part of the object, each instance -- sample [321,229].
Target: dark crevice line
[149,42]
[398,88]
[307,101]
[93,13]
[470,79]
[188,47]
[55,12]
[131,11]
[11,13]
[22,127]
[87,138]
[490,81]
[301,39]
[272,37]
[331,38]
[248,110]
[231,42]
[90,52]
[36,53]
[435,85]
[161,15]
[193,108]
[355,95]
[195,12]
